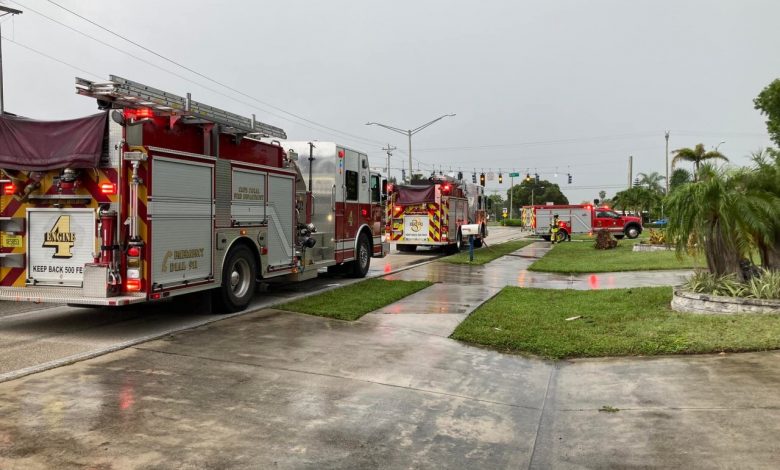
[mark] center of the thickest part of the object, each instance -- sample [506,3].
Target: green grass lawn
[355,300]
[581,257]
[487,253]
[615,322]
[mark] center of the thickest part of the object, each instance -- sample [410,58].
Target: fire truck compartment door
[281,193]
[59,243]
[181,214]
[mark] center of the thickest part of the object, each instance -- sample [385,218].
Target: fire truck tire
[362,257]
[407,248]
[560,236]
[238,280]
[632,231]
[458,242]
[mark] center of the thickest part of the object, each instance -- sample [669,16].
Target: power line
[189,69]
[50,57]
[364,139]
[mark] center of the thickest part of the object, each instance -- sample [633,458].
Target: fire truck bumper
[65,295]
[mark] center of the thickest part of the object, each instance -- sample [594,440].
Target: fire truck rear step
[65,295]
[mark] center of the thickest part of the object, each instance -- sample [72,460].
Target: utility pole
[667,161]
[511,190]
[389,149]
[630,170]
[4,10]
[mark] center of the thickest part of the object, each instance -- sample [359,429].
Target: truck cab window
[351,182]
[375,189]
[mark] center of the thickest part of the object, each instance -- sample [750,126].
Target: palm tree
[679,177]
[697,155]
[764,180]
[652,181]
[721,215]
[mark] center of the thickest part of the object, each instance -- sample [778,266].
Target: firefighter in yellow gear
[554,228]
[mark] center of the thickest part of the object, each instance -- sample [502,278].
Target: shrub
[512,223]
[604,240]
[656,237]
[764,286]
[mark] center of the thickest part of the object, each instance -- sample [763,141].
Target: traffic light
[528,177]
[500,178]
[536,175]
[460,175]
[473,177]
[482,179]
[569,178]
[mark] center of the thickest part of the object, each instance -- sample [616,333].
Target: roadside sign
[505,212]
[514,175]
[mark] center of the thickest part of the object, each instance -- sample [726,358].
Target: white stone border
[648,247]
[692,302]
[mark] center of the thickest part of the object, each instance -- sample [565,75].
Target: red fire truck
[582,218]
[432,213]
[159,195]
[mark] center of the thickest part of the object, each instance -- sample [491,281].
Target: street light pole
[409,133]
[4,10]
[667,162]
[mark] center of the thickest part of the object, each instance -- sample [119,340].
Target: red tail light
[134,251]
[140,113]
[9,189]
[108,188]
[133,285]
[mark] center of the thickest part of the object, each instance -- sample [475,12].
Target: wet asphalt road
[37,337]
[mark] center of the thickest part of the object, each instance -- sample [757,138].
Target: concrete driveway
[283,390]
[275,389]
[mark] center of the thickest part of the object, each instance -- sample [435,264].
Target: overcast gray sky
[539,86]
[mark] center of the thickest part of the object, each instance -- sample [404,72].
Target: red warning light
[9,189]
[134,251]
[364,212]
[108,188]
[341,153]
[133,285]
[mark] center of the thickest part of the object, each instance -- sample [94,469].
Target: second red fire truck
[580,218]
[158,195]
[432,213]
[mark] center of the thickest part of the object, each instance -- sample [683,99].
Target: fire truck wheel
[362,257]
[458,242]
[238,280]
[632,231]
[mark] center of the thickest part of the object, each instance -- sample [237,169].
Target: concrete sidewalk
[281,390]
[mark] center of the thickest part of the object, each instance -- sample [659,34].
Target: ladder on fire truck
[123,92]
